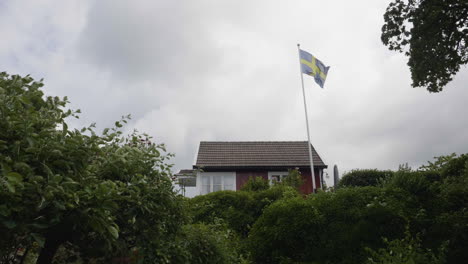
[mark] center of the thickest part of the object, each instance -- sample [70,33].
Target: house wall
[243,176]
[306,188]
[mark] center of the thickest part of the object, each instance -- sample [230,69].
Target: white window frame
[211,185]
[281,174]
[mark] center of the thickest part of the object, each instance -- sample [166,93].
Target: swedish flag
[313,67]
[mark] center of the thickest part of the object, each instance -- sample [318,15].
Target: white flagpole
[307,122]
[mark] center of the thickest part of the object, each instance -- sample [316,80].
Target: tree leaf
[10,187]
[14,177]
[9,224]
[64,129]
[114,232]
[39,239]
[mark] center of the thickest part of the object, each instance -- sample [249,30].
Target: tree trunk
[48,252]
[55,237]
[24,255]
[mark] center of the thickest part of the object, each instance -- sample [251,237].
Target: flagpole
[307,121]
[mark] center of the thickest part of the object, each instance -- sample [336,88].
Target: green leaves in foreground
[103,195]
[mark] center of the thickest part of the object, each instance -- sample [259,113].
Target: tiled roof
[218,154]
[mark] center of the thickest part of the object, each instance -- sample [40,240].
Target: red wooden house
[228,165]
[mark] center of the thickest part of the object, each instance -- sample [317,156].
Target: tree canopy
[433,33]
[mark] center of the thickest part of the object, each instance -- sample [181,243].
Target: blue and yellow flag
[313,67]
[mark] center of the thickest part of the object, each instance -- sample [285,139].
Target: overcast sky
[189,71]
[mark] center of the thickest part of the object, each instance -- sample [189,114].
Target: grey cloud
[147,40]
[227,70]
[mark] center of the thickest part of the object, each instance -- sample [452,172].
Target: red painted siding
[306,187]
[243,176]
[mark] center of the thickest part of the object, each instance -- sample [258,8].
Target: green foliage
[293,179]
[439,163]
[433,33]
[450,223]
[456,167]
[407,250]
[90,198]
[238,209]
[364,177]
[208,244]
[103,194]
[348,226]
[284,232]
[326,228]
[256,184]
[434,203]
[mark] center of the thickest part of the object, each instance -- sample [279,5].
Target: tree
[106,195]
[433,33]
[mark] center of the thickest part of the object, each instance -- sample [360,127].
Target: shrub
[456,167]
[235,208]
[287,231]
[293,179]
[238,209]
[326,228]
[365,177]
[407,250]
[256,184]
[451,219]
[434,206]
[205,244]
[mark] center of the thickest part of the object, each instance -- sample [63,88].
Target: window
[217,182]
[276,176]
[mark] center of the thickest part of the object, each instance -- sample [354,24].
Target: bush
[456,167]
[256,184]
[205,244]
[405,251]
[366,177]
[238,209]
[434,205]
[326,228]
[288,231]
[451,219]
[235,208]
[293,179]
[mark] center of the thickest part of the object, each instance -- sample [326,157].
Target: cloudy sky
[189,71]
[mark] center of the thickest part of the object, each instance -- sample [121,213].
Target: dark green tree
[433,34]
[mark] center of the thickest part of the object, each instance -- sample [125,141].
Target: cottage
[224,165]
